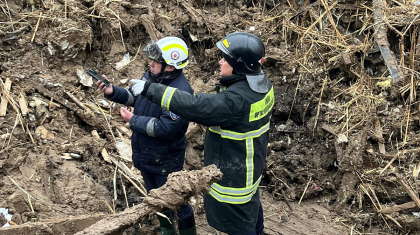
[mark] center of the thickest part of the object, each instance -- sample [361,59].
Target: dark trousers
[260,222]
[185,212]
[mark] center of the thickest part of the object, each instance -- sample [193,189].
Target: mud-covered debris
[179,187]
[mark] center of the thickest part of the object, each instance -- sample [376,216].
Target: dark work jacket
[158,140]
[238,121]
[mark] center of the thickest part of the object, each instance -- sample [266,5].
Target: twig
[115,183]
[36,28]
[294,98]
[107,122]
[304,191]
[4,101]
[407,188]
[10,16]
[396,208]
[78,102]
[319,105]
[29,133]
[332,20]
[143,192]
[320,18]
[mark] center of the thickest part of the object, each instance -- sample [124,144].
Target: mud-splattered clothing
[238,121]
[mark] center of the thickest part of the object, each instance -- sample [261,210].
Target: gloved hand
[138,86]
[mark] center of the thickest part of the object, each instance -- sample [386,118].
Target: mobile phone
[98,77]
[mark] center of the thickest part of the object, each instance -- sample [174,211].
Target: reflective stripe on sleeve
[150,127]
[167,96]
[130,99]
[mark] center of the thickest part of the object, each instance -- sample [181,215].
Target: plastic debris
[8,217]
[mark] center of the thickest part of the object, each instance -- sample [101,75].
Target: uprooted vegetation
[344,128]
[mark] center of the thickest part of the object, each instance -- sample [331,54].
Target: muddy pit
[344,141]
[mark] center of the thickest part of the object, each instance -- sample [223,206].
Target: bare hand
[107,90]
[126,114]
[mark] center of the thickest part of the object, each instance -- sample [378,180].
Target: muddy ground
[344,147]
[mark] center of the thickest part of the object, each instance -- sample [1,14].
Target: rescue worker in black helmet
[238,121]
[158,140]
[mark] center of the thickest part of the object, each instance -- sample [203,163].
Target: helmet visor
[225,51]
[153,51]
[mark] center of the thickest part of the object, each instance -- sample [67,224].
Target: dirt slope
[344,132]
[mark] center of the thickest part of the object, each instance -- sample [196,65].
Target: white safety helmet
[168,50]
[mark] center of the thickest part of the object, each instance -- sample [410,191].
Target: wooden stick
[23,105]
[294,98]
[10,16]
[134,184]
[382,41]
[396,208]
[400,157]
[407,188]
[29,133]
[125,192]
[78,102]
[36,28]
[332,21]
[319,105]
[4,101]
[107,122]
[304,191]
[379,134]
[320,18]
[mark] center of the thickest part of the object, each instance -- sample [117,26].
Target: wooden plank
[4,100]
[23,105]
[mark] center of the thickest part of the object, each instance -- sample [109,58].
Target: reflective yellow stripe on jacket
[167,96]
[239,195]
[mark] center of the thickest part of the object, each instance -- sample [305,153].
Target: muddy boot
[167,226]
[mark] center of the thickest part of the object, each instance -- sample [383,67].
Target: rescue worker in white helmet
[238,121]
[158,140]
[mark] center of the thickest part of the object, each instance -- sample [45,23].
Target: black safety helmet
[243,51]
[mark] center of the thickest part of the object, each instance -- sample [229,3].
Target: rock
[18,202]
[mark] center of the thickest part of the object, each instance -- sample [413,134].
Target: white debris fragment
[193,38]
[5,211]
[50,48]
[252,28]
[85,80]
[104,103]
[126,59]
[124,148]
[5,136]
[64,45]
[75,155]
[36,102]
[342,138]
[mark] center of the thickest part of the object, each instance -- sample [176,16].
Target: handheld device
[98,77]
